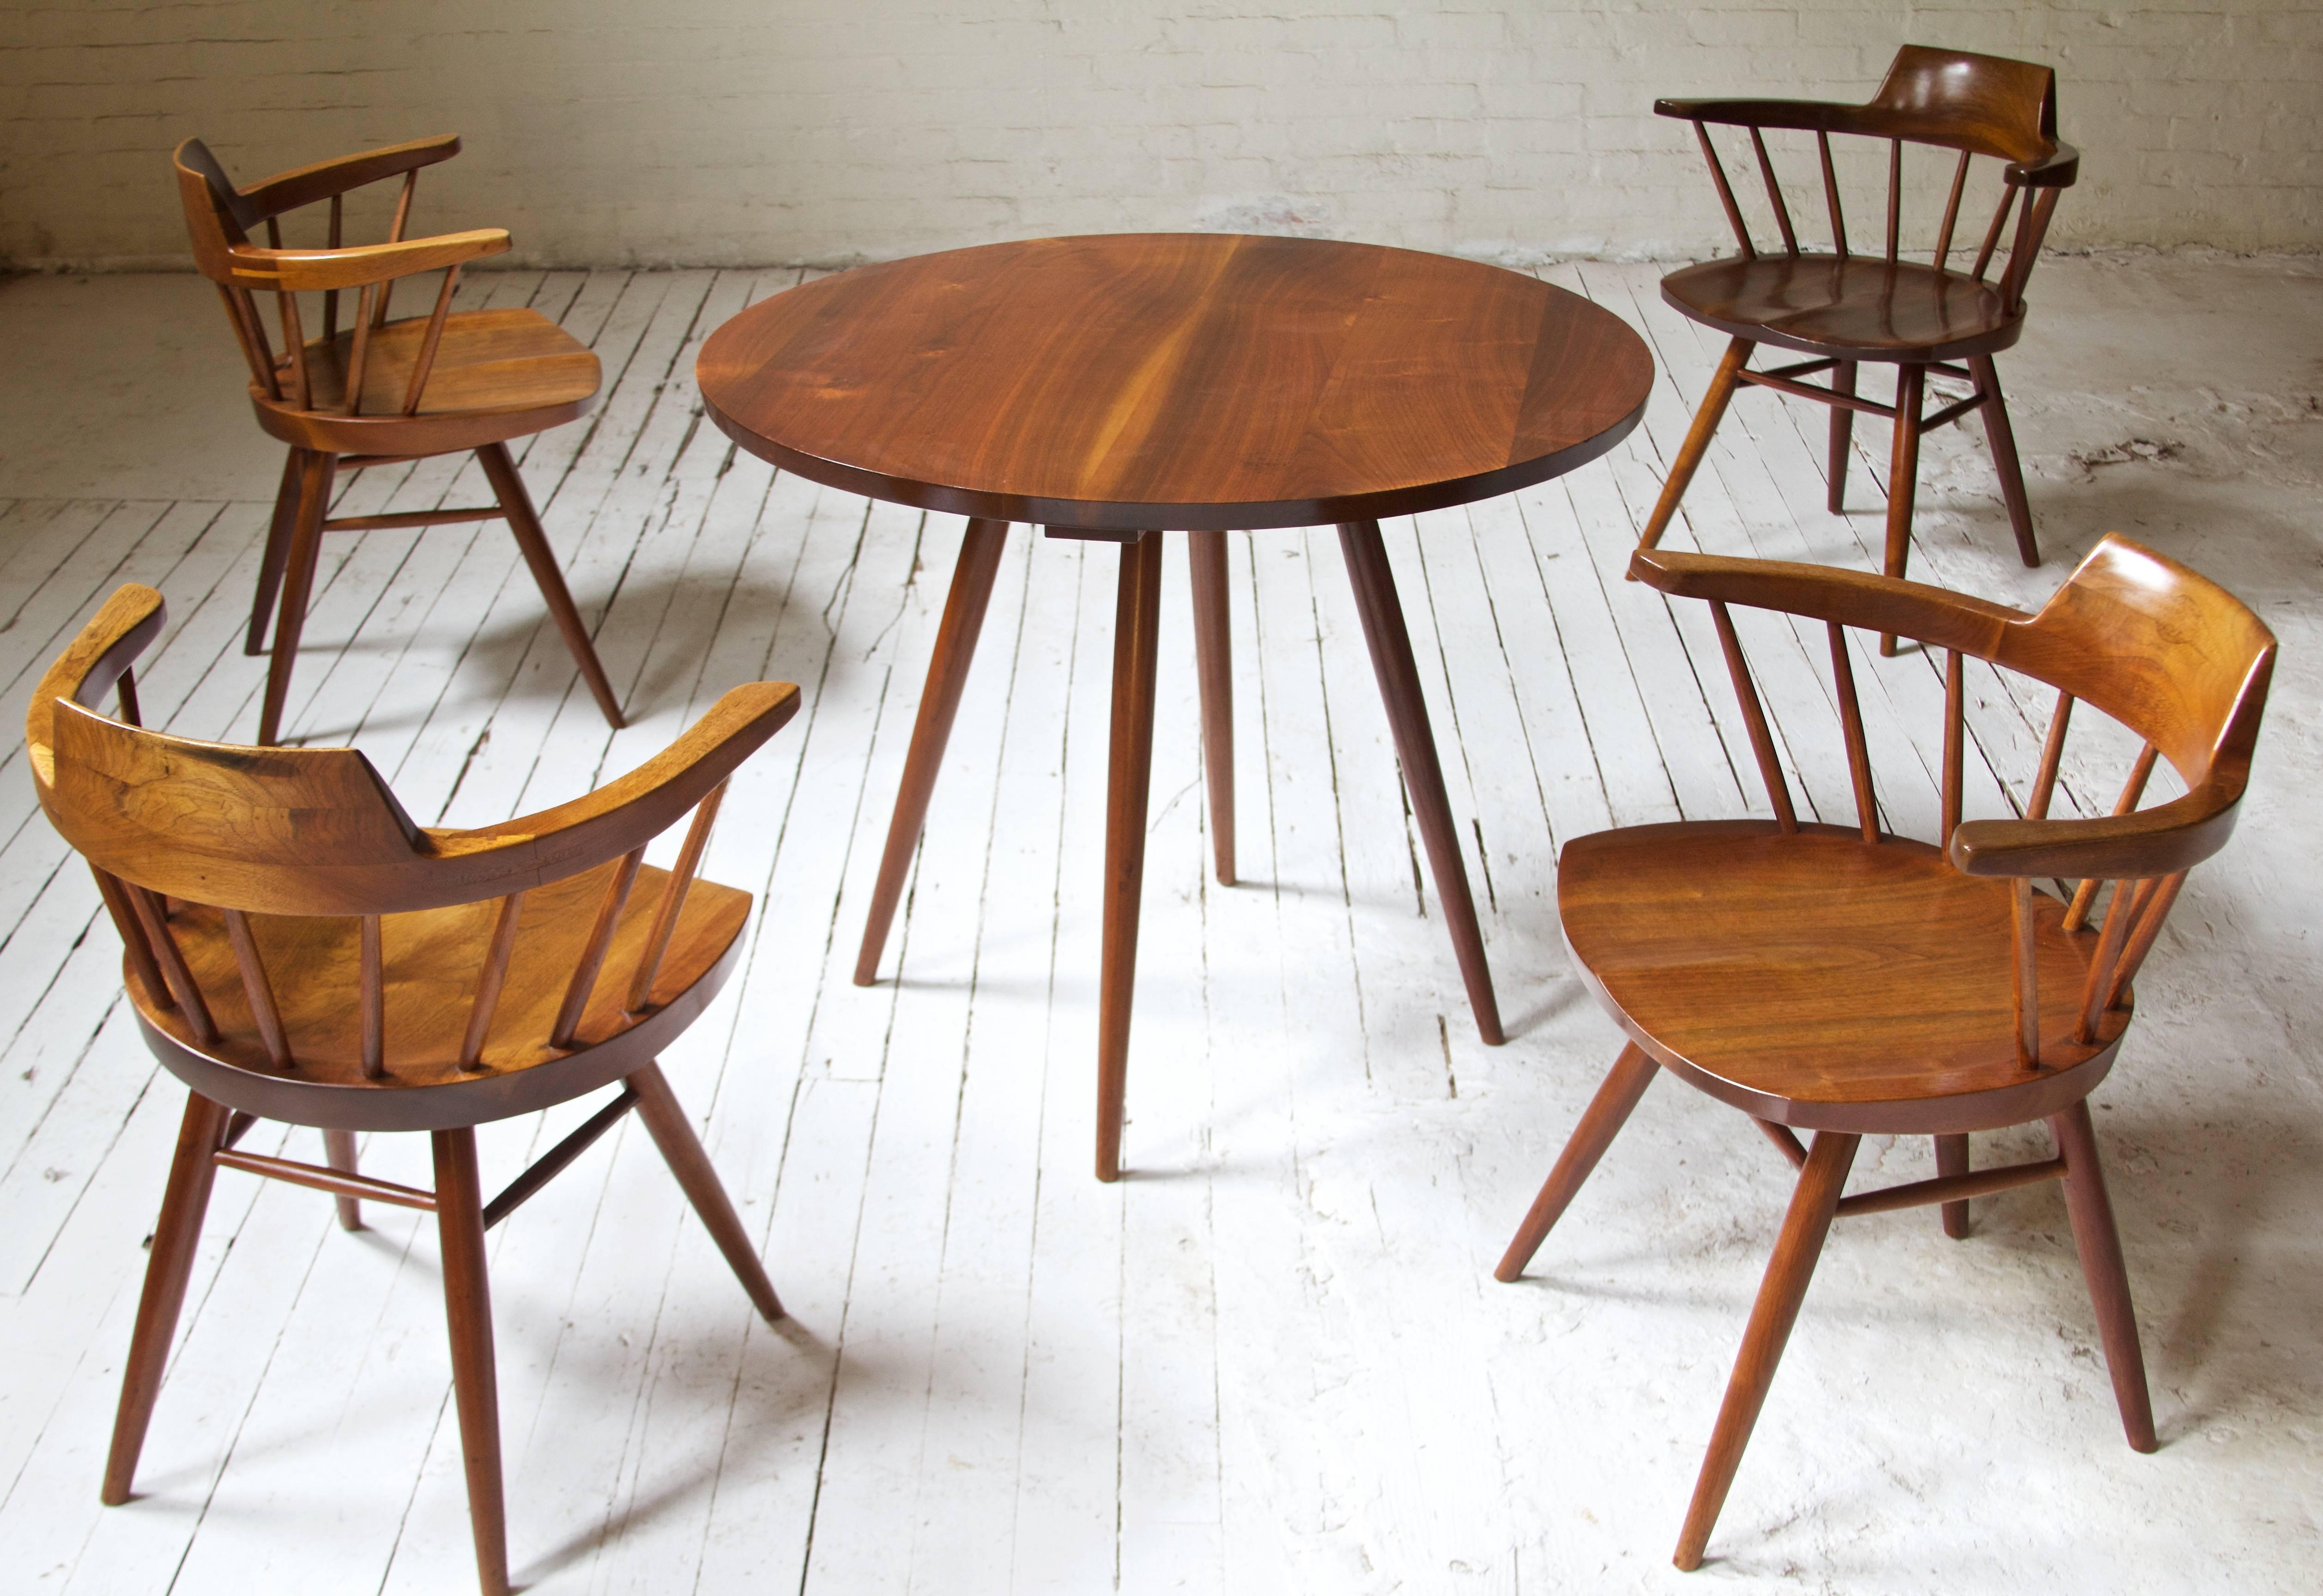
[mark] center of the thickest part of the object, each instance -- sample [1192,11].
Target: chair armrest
[2055,170]
[632,809]
[124,627]
[1851,598]
[2158,841]
[286,191]
[300,271]
[1826,115]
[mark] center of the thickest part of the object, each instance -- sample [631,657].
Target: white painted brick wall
[821,131]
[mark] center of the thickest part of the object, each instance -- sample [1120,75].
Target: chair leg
[339,1152]
[2003,439]
[475,1387]
[315,475]
[167,1270]
[1697,438]
[1813,1205]
[1902,476]
[1951,1158]
[2100,1245]
[1842,433]
[515,504]
[277,550]
[666,1123]
[1601,1122]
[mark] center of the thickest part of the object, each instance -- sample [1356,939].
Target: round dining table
[1125,387]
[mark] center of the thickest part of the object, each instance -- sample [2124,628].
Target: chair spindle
[249,332]
[1955,744]
[294,337]
[1952,212]
[132,934]
[2023,923]
[1851,719]
[1762,741]
[2052,753]
[360,355]
[1725,193]
[257,988]
[593,956]
[489,981]
[1992,234]
[673,900]
[1894,195]
[183,988]
[426,360]
[1831,194]
[2141,935]
[331,296]
[2084,897]
[1775,197]
[374,1000]
[2128,898]
[395,235]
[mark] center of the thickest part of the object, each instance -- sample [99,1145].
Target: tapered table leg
[1129,776]
[963,620]
[1214,665]
[1415,749]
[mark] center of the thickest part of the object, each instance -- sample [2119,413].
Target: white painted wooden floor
[1273,1360]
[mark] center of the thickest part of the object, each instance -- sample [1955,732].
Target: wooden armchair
[1846,981]
[1843,309]
[380,393]
[297,950]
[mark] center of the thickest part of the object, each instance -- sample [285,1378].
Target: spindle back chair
[379,392]
[1848,981]
[1842,309]
[295,949]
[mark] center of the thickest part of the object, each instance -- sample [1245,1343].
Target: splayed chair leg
[2099,1242]
[1601,1122]
[168,1268]
[1813,1203]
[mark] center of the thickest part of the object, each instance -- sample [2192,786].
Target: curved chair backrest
[1978,104]
[315,831]
[1986,105]
[2169,654]
[2163,650]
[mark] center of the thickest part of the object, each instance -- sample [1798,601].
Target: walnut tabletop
[1195,381]
[1120,387]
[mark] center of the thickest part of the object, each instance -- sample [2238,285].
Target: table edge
[1123,516]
